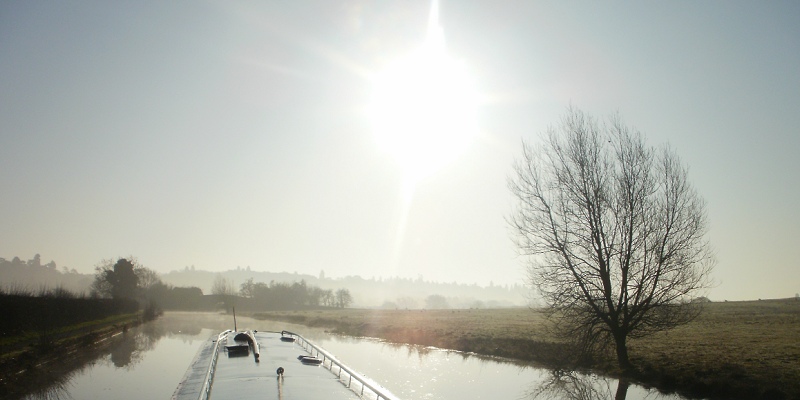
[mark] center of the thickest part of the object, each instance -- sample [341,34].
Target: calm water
[149,361]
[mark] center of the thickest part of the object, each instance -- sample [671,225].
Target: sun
[423,108]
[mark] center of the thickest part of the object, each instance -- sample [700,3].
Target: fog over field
[375,139]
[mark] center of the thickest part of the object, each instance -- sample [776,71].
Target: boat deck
[239,375]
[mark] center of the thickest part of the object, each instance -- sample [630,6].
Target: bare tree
[612,229]
[222,286]
[247,289]
[147,278]
[343,298]
[225,289]
[328,298]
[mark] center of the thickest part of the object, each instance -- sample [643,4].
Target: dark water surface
[148,362]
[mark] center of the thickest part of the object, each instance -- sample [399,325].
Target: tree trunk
[622,351]
[622,389]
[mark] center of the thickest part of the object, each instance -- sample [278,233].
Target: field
[733,350]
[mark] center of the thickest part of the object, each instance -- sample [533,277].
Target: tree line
[44,311]
[34,274]
[127,279]
[279,295]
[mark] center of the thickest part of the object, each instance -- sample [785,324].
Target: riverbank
[734,350]
[28,362]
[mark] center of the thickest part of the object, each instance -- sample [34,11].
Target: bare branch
[613,231]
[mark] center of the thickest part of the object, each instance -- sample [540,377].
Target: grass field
[733,350]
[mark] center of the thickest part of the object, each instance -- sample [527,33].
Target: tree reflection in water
[52,381]
[571,385]
[57,389]
[129,351]
[561,384]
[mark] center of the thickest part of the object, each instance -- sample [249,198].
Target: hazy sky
[225,134]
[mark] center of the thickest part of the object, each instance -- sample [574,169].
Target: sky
[224,134]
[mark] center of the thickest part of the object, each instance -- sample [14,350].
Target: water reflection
[59,379]
[54,383]
[58,389]
[573,386]
[150,360]
[561,384]
[422,372]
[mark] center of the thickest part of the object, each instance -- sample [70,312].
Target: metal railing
[206,390]
[366,383]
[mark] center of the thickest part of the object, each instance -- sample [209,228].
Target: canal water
[147,362]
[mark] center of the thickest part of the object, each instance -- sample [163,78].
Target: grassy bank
[28,362]
[733,350]
[26,339]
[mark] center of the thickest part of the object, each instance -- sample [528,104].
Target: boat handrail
[380,392]
[206,390]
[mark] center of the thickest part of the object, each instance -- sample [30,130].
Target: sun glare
[423,108]
[423,114]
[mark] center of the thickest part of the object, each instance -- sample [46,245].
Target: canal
[147,362]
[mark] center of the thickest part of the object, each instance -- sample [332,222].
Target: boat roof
[221,373]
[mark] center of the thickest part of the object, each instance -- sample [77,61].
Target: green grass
[733,350]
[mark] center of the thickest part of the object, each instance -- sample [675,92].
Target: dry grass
[512,333]
[733,350]
[742,345]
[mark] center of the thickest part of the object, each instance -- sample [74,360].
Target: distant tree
[613,230]
[246,289]
[343,298]
[146,277]
[407,303]
[36,261]
[315,296]
[328,299]
[224,288]
[436,302]
[389,305]
[299,293]
[186,298]
[116,280]
[158,294]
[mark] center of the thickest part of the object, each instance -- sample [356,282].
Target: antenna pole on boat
[234,320]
